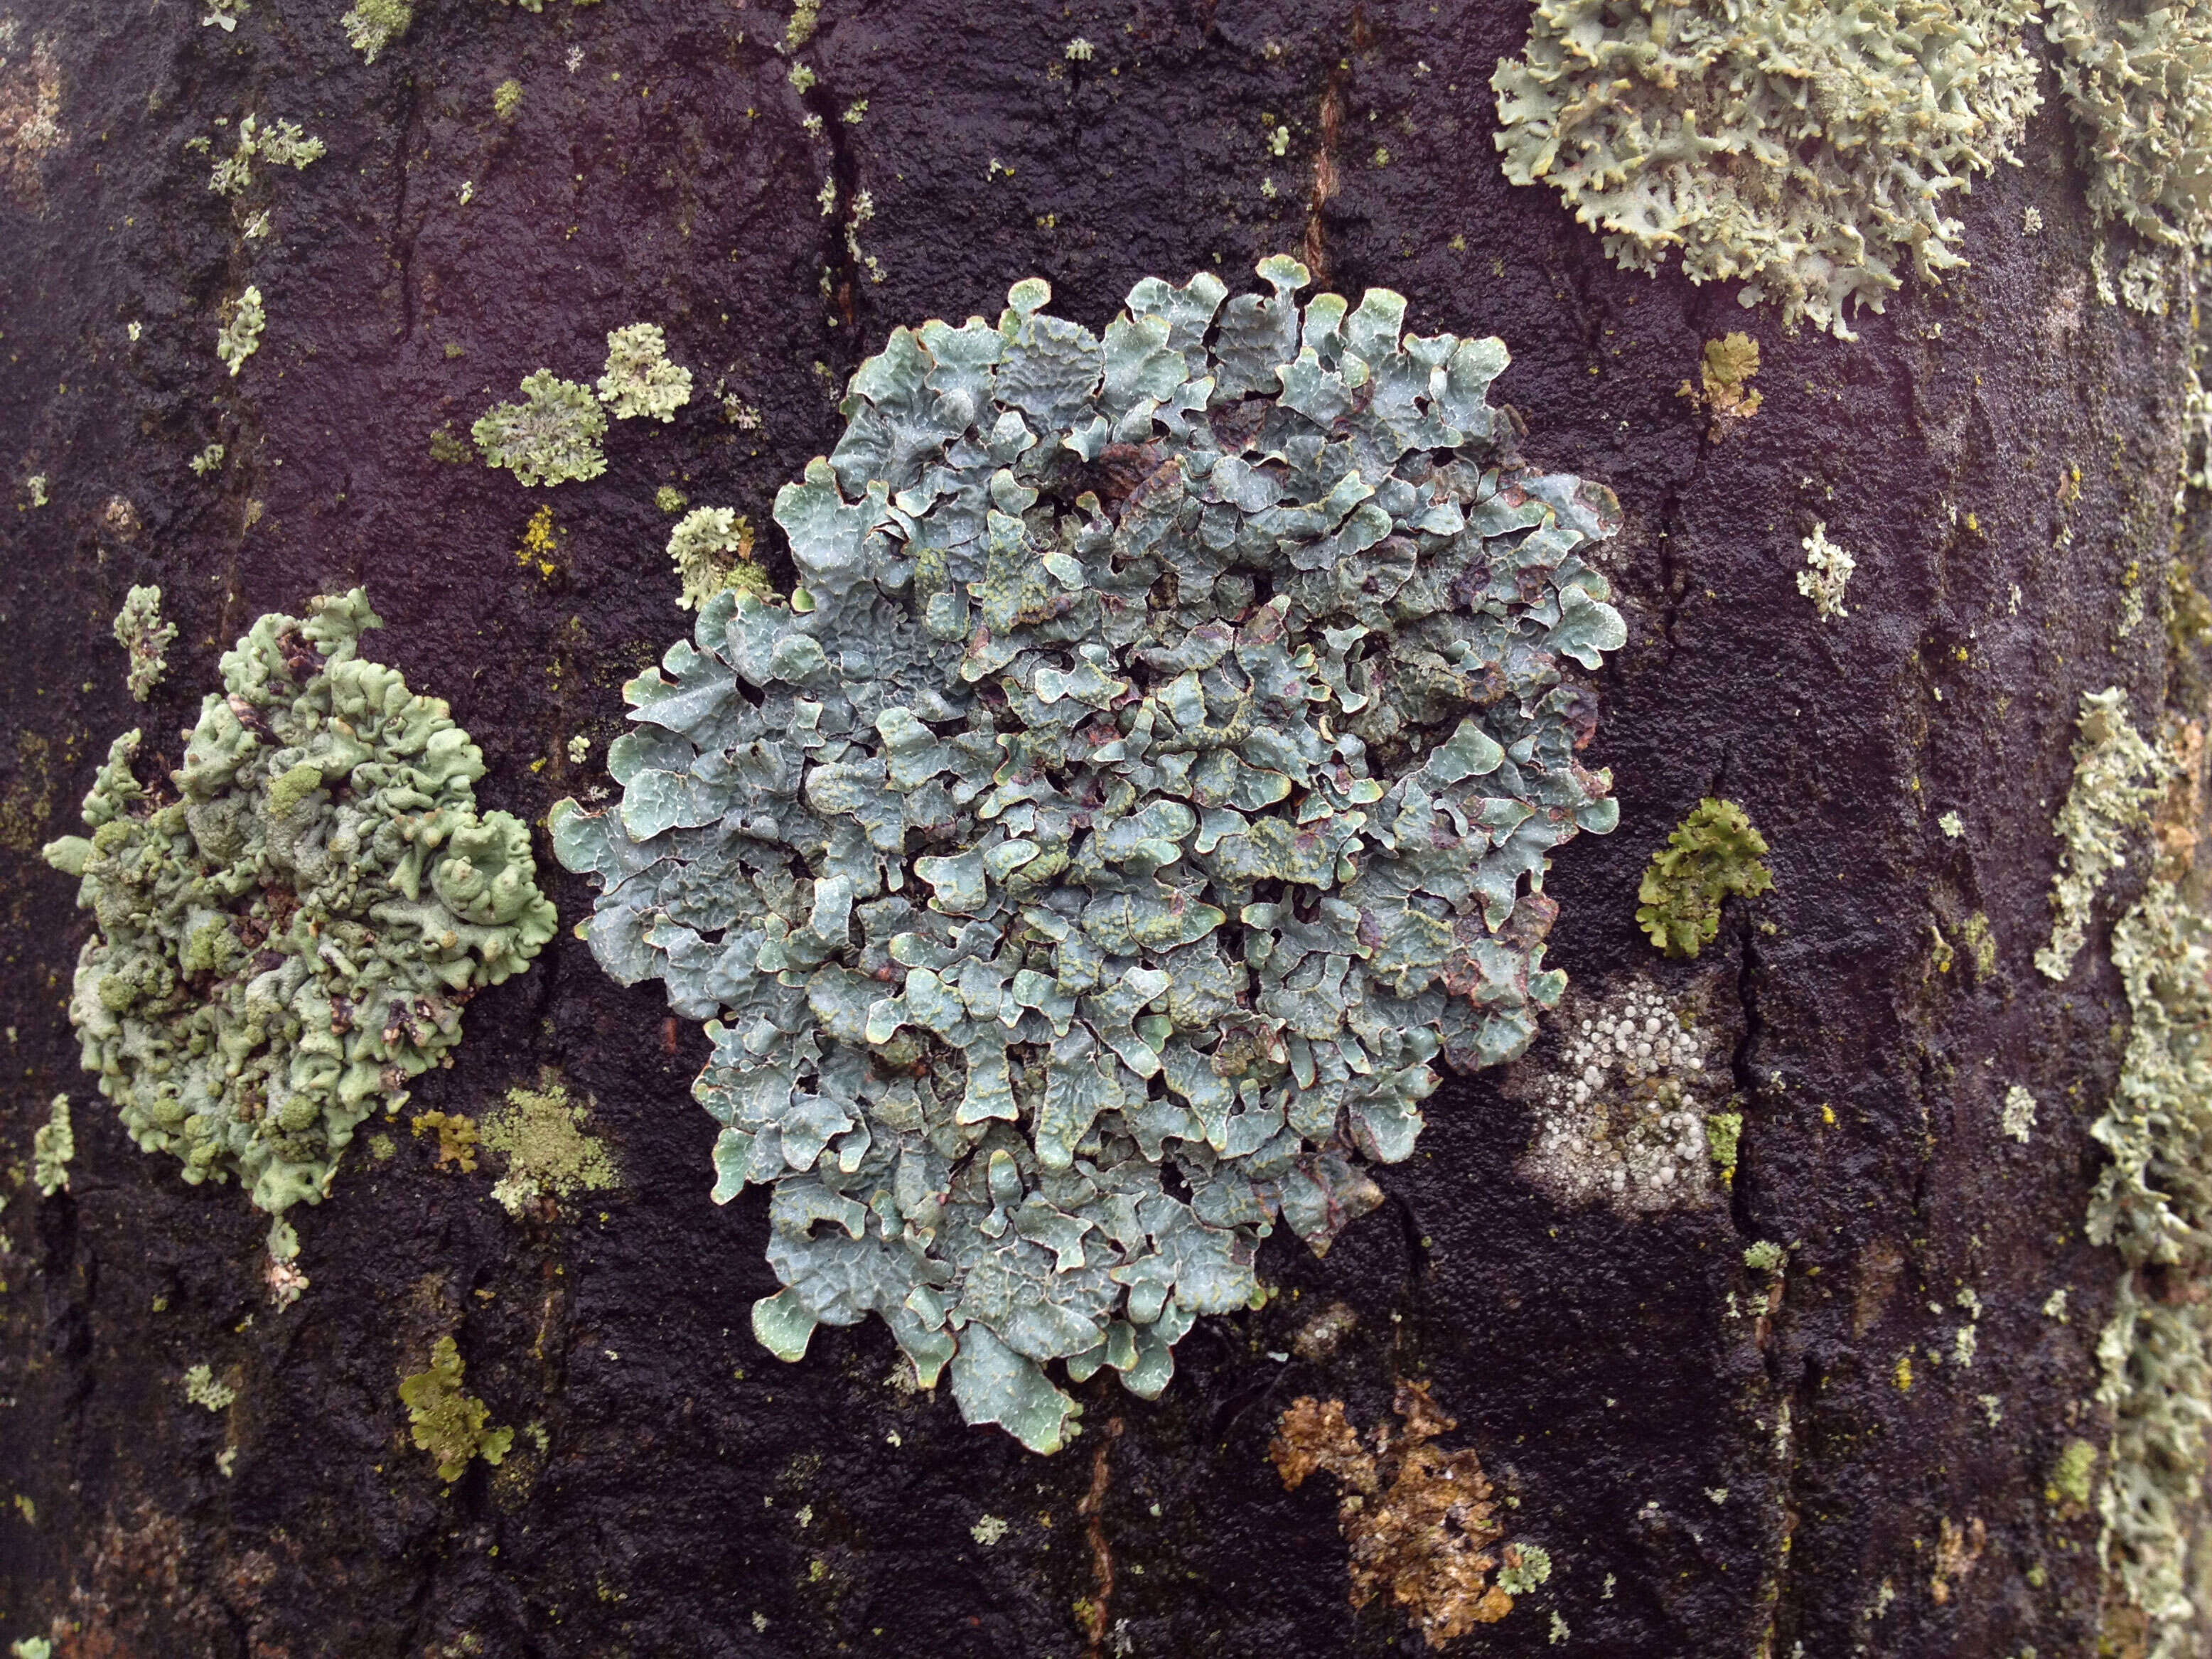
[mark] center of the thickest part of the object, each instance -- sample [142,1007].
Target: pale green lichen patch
[1826,575]
[1725,372]
[281,143]
[639,381]
[285,944]
[1625,1115]
[540,1132]
[1766,1257]
[2018,1118]
[53,1144]
[373,24]
[2137,86]
[447,1421]
[2119,776]
[202,1389]
[711,548]
[1808,149]
[240,336]
[551,437]
[141,632]
[506,98]
[1156,768]
[1712,855]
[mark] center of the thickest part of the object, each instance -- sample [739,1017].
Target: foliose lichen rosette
[1154,771]
[287,942]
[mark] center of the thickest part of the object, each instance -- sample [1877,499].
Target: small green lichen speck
[1765,1256]
[540,1132]
[1712,854]
[1156,767]
[202,1390]
[639,378]
[53,1143]
[141,632]
[1808,149]
[2071,1473]
[2117,778]
[669,499]
[283,946]
[206,461]
[373,24]
[281,144]
[240,336]
[1531,1566]
[711,548]
[506,98]
[2018,1118]
[31,1647]
[448,1423]
[550,438]
[1724,1136]
[2143,102]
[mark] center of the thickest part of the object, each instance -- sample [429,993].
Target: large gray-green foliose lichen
[286,942]
[2139,80]
[1154,773]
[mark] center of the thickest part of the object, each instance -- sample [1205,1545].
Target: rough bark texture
[693,1496]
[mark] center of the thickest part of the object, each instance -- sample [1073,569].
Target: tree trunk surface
[1719,1461]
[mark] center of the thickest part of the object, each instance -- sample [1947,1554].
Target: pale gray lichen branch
[1153,775]
[140,631]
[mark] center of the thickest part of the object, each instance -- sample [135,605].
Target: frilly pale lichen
[711,548]
[639,381]
[1805,148]
[53,1144]
[240,337]
[1712,855]
[2119,776]
[281,143]
[1827,577]
[1155,770]
[2137,85]
[141,632]
[373,24]
[551,437]
[286,942]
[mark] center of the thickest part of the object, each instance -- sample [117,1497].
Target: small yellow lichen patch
[447,1423]
[1729,365]
[1418,1522]
[540,1132]
[539,543]
[2069,1475]
[1903,1375]
[457,1139]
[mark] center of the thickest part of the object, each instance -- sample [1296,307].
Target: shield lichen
[2135,83]
[373,24]
[1807,149]
[240,336]
[1726,369]
[281,946]
[53,1144]
[711,548]
[1712,855]
[446,1420]
[551,437]
[141,632]
[1420,1524]
[639,381]
[1155,770]
[2118,777]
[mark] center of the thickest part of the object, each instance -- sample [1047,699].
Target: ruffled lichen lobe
[1152,775]
[1712,855]
[285,943]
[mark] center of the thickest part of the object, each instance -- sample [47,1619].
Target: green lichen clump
[447,1422]
[639,381]
[1806,150]
[281,144]
[53,1143]
[240,336]
[2119,776]
[281,946]
[711,548]
[140,631]
[1712,855]
[202,1389]
[540,1132]
[1155,770]
[551,437]
[373,24]
[2140,87]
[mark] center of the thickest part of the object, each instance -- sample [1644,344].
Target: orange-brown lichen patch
[1418,1520]
[1957,1549]
[2174,823]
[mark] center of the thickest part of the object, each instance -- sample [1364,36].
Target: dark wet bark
[693,1495]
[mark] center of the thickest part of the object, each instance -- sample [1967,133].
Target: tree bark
[1718,1460]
